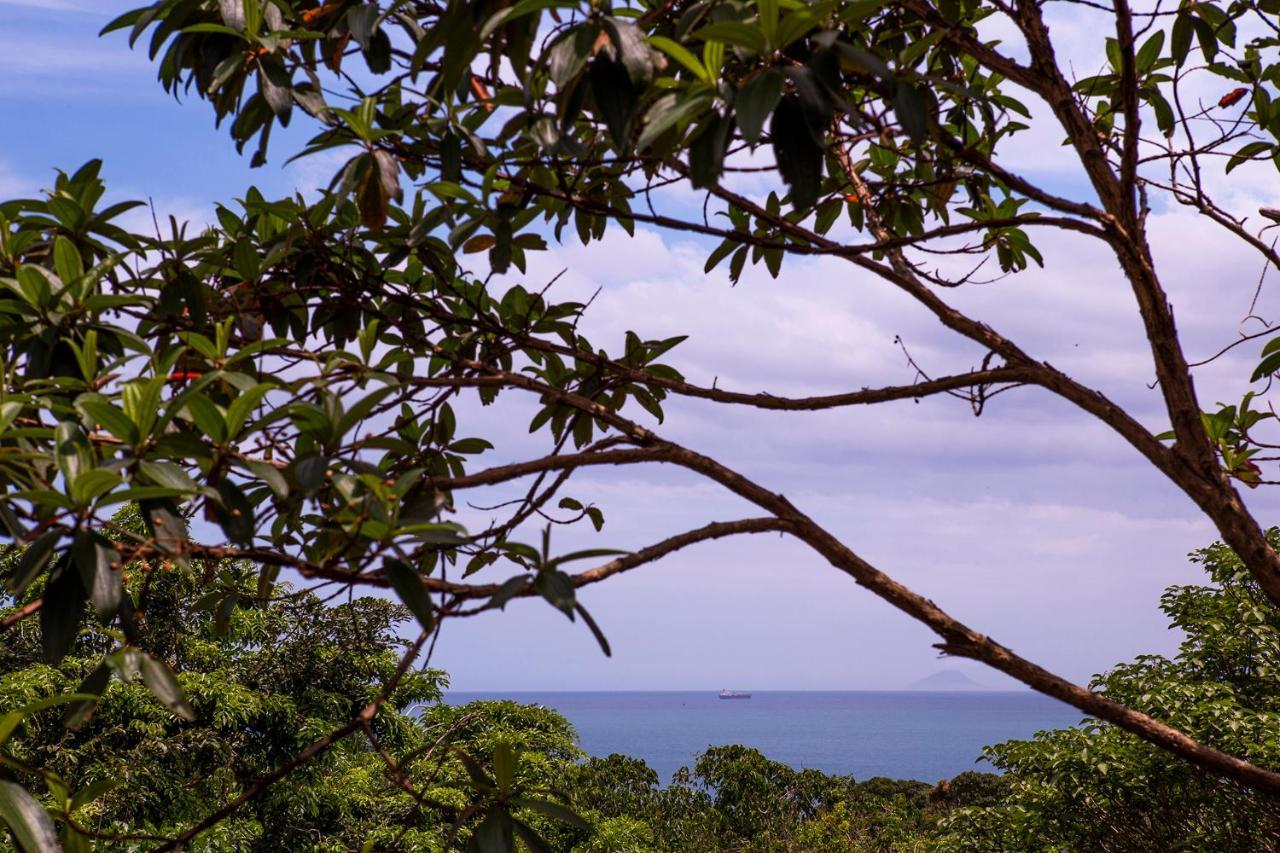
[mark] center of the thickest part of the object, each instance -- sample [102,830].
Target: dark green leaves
[162,683]
[557,589]
[1269,362]
[798,154]
[568,56]
[618,73]
[631,50]
[1180,38]
[234,513]
[706,153]
[408,586]
[495,834]
[615,96]
[27,820]
[33,561]
[755,101]
[93,557]
[912,109]
[165,525]
[62,610]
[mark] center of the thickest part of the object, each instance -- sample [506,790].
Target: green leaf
[680,54]
[494,834]
[207,417]
[665,112]
[142,402]
[33,561]
[93,484]
[552,810]
[27,819]
[587,554]
[508,590]
[755,100]
[269,474]
[163,685]
[407,584]
[310,472]
[164,524]
[8,414]
[1149,52]
[90,690]
[94,791]
[504,765]
[556,587]
[568,56]
[215,29]
[93,556]
[734,33]
[478,777]
[167,474]
[72,451]
[67,262]
[234,513]
[708,149]
[595,629]
[1180,38]
[530,837]
[1247,153]
[60,615]
[912,111]
[633,51]
[10,721]
[798,155]
[615,97]
[1266,367]
[243,405]
[110,418]
[276,89]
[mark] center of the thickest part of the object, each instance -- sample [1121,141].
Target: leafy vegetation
[260,673]
[316,383]
[259,680]
[265,676]
[1097,787]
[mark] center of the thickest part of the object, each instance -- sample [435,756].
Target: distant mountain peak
[948,679]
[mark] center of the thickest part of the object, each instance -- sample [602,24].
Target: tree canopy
[1096,787]
[266,676]
[291,377]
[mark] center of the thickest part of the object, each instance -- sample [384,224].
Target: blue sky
[1031,523]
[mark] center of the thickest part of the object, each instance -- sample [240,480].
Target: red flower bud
[1233,97]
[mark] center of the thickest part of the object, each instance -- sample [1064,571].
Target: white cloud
[1034,523]
[28,55]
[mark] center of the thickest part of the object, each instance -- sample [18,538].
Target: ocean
[900,734]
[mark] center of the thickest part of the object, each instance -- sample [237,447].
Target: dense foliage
[267,675]
[1096,787]
[260,675]
[313,379]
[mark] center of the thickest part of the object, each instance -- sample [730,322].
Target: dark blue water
[901,734]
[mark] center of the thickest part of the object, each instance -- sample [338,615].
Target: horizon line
[756,690]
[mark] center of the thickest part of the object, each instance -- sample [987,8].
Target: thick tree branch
[649,554]
[959,639]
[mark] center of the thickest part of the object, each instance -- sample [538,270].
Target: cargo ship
[734,694]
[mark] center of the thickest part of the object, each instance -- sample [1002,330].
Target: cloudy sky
[1031,523]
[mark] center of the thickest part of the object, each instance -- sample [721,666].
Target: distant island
[949,679]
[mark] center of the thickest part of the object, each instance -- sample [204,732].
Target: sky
[1032,523]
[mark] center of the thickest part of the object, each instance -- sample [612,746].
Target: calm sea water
[901,734]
